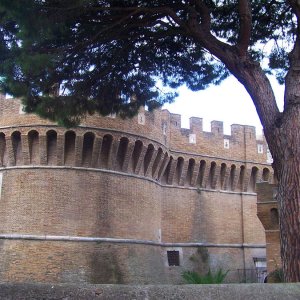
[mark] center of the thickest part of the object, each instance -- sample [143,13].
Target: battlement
[165,128]
[216,128]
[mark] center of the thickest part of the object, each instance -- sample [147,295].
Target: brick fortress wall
[105,201]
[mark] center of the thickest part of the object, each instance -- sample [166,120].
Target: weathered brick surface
[267,211]
[114,178]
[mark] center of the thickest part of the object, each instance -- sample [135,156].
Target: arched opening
[266,174]
[166,175]
[2,148]
[212,174]
[87,149]
[190,171]
[179,169]
[51,147]
[157,160]
[274,217]
[137,150]
[33,143]
[122,150]
[223,176]
[17,147]
[148,157]
[70,138]
[241,178]
[232,177]
[200,178]
[163,166]
[105,150]
[253,179]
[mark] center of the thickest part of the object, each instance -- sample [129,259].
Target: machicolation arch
[126,154]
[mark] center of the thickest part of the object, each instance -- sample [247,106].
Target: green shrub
[191,277]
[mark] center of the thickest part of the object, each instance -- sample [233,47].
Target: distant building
[128,201]
[267,211]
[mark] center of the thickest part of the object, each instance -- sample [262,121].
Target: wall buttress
[25,149]
[10,151]
[224,185]
[195,173]
[235,179]
[155,174]
[162,168]
[78,150]
[215,177]
[96,151]
[246,180]
[140,160]
[100,141]
[148,172]
[172,172]
[60,149]
[43,149]
[112,158]
[183,175]
[205,175]
[128,156]
[259,175]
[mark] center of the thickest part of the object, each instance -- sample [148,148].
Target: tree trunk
[289,196]
[282,130]
[287,166]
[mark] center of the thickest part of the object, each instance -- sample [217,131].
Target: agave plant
[192,277]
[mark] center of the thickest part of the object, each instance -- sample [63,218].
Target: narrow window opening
[173,258]
[274,216]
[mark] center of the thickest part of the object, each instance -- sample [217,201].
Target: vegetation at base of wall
[275,276]
[192,277]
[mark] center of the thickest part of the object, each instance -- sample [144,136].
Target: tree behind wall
[68,58]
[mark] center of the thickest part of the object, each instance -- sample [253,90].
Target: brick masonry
[158,185]
[267,211]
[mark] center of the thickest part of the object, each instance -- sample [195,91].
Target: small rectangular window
[173,258]
[192,138]
[226,143]
[21,109]
[260,148]
[141,118]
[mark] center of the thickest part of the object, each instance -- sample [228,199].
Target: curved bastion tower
[127,201]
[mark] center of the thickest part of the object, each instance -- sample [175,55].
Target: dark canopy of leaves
[103,54]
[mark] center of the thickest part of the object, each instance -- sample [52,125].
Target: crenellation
[175,120]
[237,131]
[196,124]
[217,128]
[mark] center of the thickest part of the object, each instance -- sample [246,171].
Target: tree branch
[245,26]
[204,13]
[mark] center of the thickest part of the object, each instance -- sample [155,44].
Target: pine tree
[69,58]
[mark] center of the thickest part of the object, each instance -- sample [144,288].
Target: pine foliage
[68,58]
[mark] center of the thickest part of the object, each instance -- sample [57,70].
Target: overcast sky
[228,102]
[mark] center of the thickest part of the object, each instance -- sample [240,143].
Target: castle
[127,201]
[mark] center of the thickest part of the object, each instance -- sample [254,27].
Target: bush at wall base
[192,277]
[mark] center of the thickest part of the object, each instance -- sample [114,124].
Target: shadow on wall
[128,156]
